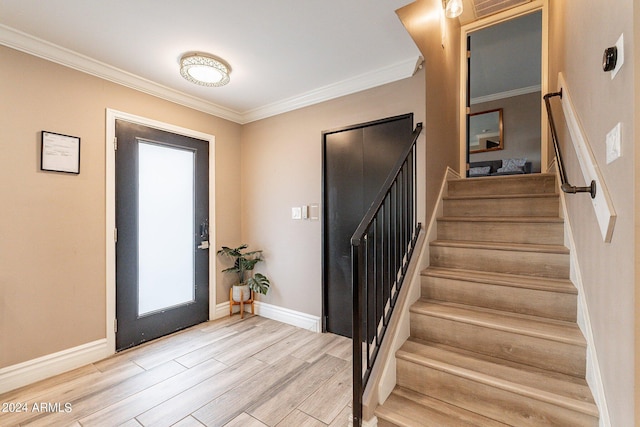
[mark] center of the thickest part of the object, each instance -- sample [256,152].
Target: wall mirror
[486,131]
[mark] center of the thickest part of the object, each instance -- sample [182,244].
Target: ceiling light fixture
[453,8]
[204,70]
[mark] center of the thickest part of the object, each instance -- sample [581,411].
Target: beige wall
[426,24]
[521,123]
[52,251]
[580,30]
[52,226]
[282,168]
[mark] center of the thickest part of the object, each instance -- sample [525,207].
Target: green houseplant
[243,264]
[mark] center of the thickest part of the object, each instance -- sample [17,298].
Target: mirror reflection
[485,131]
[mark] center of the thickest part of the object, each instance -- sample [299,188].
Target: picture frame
[59,153]
[486,131]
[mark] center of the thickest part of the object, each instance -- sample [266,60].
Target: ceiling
[284,54]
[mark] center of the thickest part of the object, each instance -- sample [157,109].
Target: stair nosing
[503,219]
[501,383]
[528,176]
[503,196]
[500,326]
[403,394]
[501,246]
[502,279]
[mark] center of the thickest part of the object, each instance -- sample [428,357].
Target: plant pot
[246,293]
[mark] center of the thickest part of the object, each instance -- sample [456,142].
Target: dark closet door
[357,161]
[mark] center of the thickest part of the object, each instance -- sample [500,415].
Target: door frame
[110,203]
[465,30]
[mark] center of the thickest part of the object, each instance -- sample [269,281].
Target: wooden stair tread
[504,219]
[504,196]
[515,247]
[503,279]
[408,408]
[553,388]
[549,329]
[527,176]
[493,335]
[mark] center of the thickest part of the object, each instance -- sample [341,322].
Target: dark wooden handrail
[381,249]
[566,187]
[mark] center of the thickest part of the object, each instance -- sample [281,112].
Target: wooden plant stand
[251,300]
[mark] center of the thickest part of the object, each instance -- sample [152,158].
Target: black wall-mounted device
[609,58]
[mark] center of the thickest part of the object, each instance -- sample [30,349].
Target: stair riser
[529,350]
[553,305]
[511,232]
[552,265]
[517,206]
[533,184]
[505,406]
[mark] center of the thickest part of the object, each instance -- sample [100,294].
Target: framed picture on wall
[60,153]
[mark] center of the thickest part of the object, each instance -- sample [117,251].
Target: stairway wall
[579,30]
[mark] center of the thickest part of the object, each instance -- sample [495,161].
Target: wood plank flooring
[230,372]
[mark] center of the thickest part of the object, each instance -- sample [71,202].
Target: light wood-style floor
[251,373]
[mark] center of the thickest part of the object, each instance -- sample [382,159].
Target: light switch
[296,213]
[314,212]
[613,144]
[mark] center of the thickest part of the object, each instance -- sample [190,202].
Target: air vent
[489,7]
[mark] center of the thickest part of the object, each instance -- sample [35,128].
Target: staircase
[494,339]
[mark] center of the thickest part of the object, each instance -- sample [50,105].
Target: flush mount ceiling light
[453,8]
[204,70]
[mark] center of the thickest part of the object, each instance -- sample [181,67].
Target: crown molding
[381,76]
[43,49]
[506,94]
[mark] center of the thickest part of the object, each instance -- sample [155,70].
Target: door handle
[204,229]
[204,234]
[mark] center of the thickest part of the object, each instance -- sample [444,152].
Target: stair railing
[381,249]
[566,187]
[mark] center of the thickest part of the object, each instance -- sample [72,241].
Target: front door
[162,260]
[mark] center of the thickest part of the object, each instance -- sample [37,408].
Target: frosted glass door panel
[166,238]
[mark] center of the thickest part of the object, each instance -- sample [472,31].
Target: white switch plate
[314,212]
[620,60]
[613,143]
[296,213]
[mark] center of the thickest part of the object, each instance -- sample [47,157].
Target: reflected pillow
[513,165]
[483,170]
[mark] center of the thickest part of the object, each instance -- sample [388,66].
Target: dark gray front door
[162,205]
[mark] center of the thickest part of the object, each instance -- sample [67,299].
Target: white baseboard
[373,422]
[274,312]
[28,372]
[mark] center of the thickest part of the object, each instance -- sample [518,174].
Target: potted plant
[243,265]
